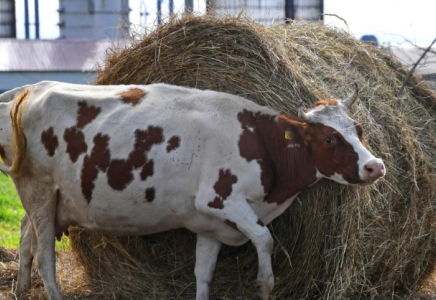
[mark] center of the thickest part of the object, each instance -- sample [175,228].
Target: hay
[5,255]
[335,242]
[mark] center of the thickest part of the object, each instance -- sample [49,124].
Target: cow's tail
[19,140]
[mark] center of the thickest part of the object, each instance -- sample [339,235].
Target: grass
[11,212]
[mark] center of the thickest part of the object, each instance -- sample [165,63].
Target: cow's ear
[292,129]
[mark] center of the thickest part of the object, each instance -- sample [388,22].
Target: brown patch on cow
[150,194]
[147,170]
[259,222]
[2,153]
[50,141]
[359,129]
[132,96]
[326,102]
[119,174]
[86,114]
[99,159]
[100,154]
[75,140]
[120,171]
[251,145]
[144,140]
[217,203]
[223,187]
[173,143]
[340,158]
[286,165]
[88,176]
[231,224]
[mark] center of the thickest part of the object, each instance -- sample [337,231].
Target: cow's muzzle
[373,170]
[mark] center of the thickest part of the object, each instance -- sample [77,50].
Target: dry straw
[334,242]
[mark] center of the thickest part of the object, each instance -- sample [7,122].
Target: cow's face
[336,144]
[339,152]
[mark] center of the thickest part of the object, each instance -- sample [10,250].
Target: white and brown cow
[134,160]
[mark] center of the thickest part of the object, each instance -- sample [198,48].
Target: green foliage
[11,212]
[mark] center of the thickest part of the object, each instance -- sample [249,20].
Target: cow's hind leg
[28,246]
[39,201]
[206,255]
[45,255]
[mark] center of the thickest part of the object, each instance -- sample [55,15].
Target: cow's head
[335,142]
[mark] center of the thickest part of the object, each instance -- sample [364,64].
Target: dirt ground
[70,277]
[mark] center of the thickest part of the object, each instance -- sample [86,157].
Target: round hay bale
[6,255]
[334,242]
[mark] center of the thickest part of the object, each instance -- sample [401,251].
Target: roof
[76,55]
[410,55]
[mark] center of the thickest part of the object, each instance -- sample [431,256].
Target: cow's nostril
[374,170]
[369,169]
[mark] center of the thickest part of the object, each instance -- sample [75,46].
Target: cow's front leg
[242,218]
[238,215]
[265,278]
[206,256]
[28,247]
[263,241]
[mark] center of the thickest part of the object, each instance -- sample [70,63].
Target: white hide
[206,123]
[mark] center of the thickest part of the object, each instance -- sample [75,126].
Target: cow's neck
[291,163]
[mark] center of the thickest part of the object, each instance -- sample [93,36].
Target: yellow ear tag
[288,135]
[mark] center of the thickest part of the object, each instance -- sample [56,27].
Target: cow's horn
[350,100]
[301,114]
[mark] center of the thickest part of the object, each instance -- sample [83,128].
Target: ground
[69,275]
[71,279]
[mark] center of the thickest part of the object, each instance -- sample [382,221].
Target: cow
[142,159]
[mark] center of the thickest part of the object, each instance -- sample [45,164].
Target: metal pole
[159,12]
[36,20]
[321,4]
[14,21]
[189,6]
[209,5]
[289,9]
[171,5]
[26,18]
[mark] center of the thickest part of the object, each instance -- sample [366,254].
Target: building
[87,28]
[7,19]
[97,19]
[270,11]
[30,61]
[410,55]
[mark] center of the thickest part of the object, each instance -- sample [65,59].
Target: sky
[393,22]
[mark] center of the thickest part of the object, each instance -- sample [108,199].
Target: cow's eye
[328,141]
